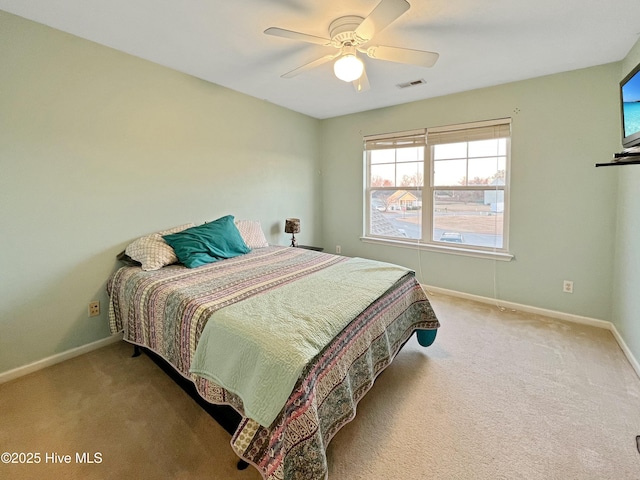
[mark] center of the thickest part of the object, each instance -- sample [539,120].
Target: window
[445,187]
[395,182]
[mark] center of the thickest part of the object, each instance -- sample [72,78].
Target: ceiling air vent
[413,83]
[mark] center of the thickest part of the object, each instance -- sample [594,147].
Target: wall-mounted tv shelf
[622,158]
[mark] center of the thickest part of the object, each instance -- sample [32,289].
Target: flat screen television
[630,101]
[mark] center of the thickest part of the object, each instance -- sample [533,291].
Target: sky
[452,162]
[631,90]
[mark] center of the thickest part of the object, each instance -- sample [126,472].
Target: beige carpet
[500,395]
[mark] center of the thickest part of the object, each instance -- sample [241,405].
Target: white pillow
[152,251]
[252,233]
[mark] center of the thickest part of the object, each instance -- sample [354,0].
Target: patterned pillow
[252,233]
[152,251]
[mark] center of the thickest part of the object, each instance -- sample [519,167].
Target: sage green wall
[562,208]
[97,148]
[626,306]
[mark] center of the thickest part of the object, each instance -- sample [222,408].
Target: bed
[212,322]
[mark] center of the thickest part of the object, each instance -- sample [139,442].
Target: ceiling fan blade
[402,55]
[303,37]
[381,16]
[362,84]
[310,65]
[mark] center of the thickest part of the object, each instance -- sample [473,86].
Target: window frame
[466,132]
[410,138]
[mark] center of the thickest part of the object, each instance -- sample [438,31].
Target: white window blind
[470,132]
[413,138]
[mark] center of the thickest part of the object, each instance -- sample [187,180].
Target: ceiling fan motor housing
[342,31]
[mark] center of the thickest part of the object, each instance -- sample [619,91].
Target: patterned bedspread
[166,311]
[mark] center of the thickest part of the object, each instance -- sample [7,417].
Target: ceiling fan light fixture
[348,68]
[351,34]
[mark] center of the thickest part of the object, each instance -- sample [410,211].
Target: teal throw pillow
[208,243]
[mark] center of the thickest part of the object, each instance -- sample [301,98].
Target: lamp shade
[348,68]
[292,225]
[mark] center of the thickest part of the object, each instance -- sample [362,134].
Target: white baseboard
[57,358]
[594,322]
[632,360]
[74,352]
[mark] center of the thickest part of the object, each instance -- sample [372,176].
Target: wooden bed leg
[136,351]
[242,464]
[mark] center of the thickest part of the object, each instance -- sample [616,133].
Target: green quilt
[257,348]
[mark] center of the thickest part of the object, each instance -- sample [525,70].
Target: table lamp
[292,226]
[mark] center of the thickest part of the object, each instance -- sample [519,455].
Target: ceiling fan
[351,34]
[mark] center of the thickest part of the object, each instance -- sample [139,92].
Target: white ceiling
[481,43]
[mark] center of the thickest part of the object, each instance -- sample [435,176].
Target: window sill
[467,252]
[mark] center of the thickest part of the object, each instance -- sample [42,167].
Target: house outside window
[445,187]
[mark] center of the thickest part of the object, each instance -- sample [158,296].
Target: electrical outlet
[338,249]
[567,286]
[94,309]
